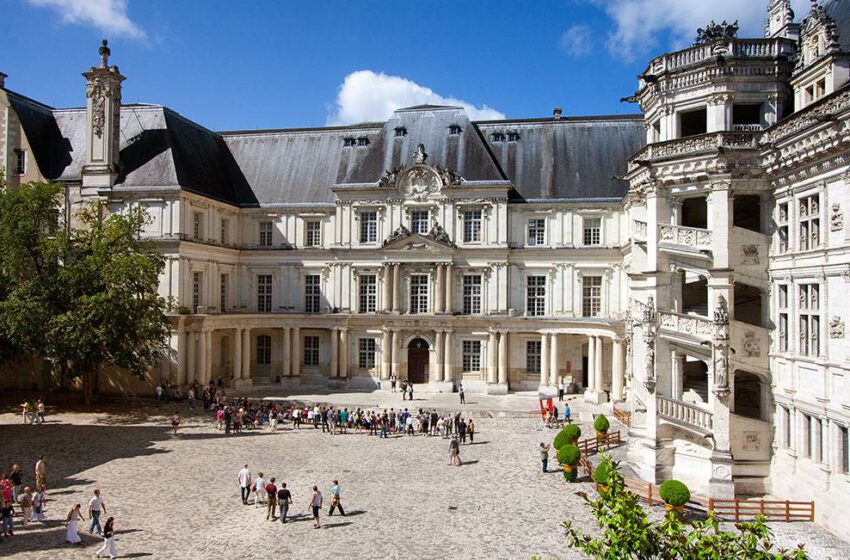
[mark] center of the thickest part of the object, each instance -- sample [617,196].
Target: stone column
[334,353]
[246,353]
[439,354]
[503,358]
[678,375]
[448,370]
[287,351]
[598,356]
[618,370]
[190,358]
[553,361]
[343,353]
[181,358]
[544,358]
[449,288]
[591,363]
[296,351]
[388,294]
[396,288]
[237,353]
[395,354]
[207,356]
[492,354]
[386,352]
[440,300]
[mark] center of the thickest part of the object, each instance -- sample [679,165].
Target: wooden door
[417,362]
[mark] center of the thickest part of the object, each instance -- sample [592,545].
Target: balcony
[685,415]
[697,239]
[694,145]
[695,326]
[767,49]
[639,230]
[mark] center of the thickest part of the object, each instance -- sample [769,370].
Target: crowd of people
[29,500]
[33,412]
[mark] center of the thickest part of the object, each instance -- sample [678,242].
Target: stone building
[691,263]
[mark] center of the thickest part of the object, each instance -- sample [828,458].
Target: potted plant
[601,426]
[675,495]
[602,475]
[569,456]
[569,435]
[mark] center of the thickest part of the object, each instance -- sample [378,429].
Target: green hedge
[569,455]
[601,423]
[569,434]
[602,473]
[674,493]
[571,476]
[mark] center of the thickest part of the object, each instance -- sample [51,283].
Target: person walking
[39,411]
[25,501]
[335,497]
[404,389]
[175,422]
[108,540]
[316,505]
[284,499]
[158,394]
[41,472]
[271,496]
[461,431]
[410,389]
[260,490]
[38,504]
[567,413]
[16,477]
[96,505]
[470,429]
[393,381]
[71,519]
[244,478]
[462,394]
[561,389]
[454,452]
[544,456]
[191,399]
[7,522]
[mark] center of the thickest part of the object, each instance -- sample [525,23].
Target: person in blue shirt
[567,413]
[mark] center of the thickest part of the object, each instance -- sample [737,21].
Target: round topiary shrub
[569,455]
[569,434]
[571,476]
[674,493]
[602,473]
[601,423]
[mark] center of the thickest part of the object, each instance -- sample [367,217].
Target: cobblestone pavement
[178,497]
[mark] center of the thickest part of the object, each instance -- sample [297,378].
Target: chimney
[2,80]
[556,113]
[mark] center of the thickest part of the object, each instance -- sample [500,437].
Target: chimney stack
[556,113]
[2,80]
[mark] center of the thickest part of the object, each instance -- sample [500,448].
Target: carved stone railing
[639,230]
[747,127]
[741,48]
[696,238]
[684,413]
[693,145]
[693,325]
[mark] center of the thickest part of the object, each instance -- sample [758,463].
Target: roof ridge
[28,99]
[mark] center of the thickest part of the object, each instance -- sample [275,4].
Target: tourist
[561,388]
[26,410]
[158,394]
[39,411]
[191,398]
[260,490]
[41,472]
[96,505]
[544,456]
[38,504]
[316,417]
[316,504]
[470,430]
[6,514]
[244,478]
[284,498]
[271,492]
[108,539]
[393,381]
[454,452]
[567,413]
[175,422]
[410,390]
[272,422]
[335,497]
[343,419]
[228,419]
[461,431]
[71,519]
[26,505]
[462,394]
[16,478]
[404,389]
[6,489]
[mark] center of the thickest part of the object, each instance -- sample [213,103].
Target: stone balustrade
[639,230]
[700,327]
[695,238]
[694,145]
[768,49]
[685,413]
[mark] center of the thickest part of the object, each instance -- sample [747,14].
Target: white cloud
[110,16]
[638,24]
[373,96]
[576,40]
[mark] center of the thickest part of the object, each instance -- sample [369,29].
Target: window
[368,293]
[591,296]
[366,354]
[264,293]
[311,350]
[197,225]
[592,231]
[362,141]
[349,142]
[807,435]
[536,296]
[817,438]
[693,122]
[264,350]
[419,293]
[312,293]
[782,305]
[788,439]
[809,319]
[455,130]
[471,355]
[419,222]
[498,137]
[400,131]
[533,355]
[223,237]
[265,234]
[368,227]
[314,234]
[513,136]
[809,222]
[197,290]
[844,451]
[536,231]
[472,294]
[746,117]
[223,283]
[20,162]
[472,226]
[782,227]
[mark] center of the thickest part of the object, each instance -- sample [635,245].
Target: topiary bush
[674,493]
[602,473]
[569,434]
[571,476]
[601,423]
[569,455]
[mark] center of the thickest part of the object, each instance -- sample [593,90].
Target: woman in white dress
[74,515]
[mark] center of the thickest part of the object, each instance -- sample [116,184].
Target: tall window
[419,222]
[225,225]
[368,293]
[592,231]
[264,293]
[782,305]
[311,350]
[472,294]
[471,355]
[591,296]
[313,237]
[472,226]
[197,225]
[535,301]
[817,438]
[809,222]
[809,319]
[536,231]
[197,290]
[844,451]
[20,162]
[223,284]
[265,234]
[366,353]
[788,427]
[368,227]
[419,293]
[264,350]
[807,435]
[782,227]
[312,293]
[533,355]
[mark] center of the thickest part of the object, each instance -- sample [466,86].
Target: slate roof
[839,11]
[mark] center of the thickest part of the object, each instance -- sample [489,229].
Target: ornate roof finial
[104,54]
[419,156]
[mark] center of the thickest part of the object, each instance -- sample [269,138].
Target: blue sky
[265,64]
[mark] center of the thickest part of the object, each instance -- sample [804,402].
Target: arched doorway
[417,361]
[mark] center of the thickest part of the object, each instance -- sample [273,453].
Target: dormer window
[455,130]
[513,136]
[400,131]
[362,141]
[349,142]
[498,137]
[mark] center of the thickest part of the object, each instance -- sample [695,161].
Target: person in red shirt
[271,492]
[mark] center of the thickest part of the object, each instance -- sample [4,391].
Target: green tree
[84,297]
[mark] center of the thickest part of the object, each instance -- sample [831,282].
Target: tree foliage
[627,533]
[83,297]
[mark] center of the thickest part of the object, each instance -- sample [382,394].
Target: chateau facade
[691,263]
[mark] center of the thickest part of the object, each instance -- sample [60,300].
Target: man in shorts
[316,504]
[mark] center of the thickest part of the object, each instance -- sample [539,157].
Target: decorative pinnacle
[104,54]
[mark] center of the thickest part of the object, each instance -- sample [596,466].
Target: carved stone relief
[836,218]
[750,254]
[751,345]
[836,327]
